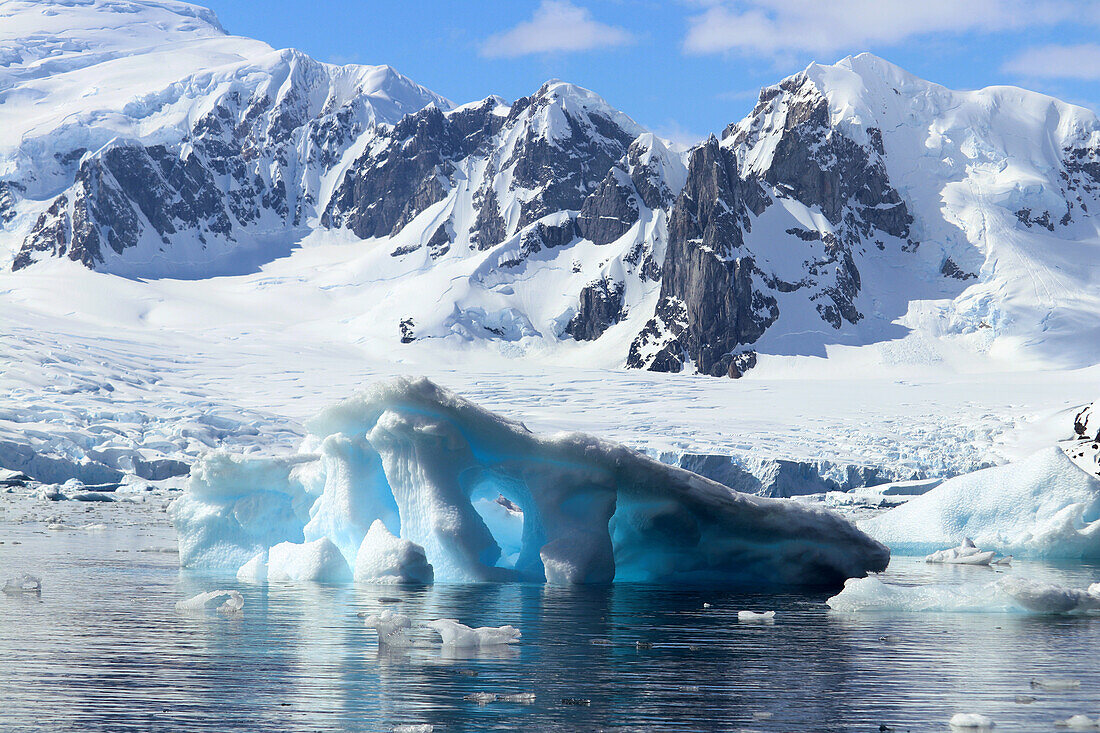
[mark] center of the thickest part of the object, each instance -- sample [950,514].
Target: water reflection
[103,650]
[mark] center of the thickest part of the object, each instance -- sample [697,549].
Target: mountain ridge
[855,205]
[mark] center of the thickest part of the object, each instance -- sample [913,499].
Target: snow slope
[224,321]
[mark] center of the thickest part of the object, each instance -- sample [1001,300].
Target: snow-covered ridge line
[856,206]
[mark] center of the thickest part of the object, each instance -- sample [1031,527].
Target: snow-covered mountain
[856,204]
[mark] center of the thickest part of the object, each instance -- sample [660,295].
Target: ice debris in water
[23,584]
[414,728]
[1042,506]
[418,460]
[384,558]
[754,616]
[233,604]
[965,554]
[460,635]
[971,721]
[484,698]
[1055,683]
[1078,722]
[1024,699]
[1007,595]
[392,627]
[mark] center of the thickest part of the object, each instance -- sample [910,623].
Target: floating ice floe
[459,635]
[965,554]
[1006,595]
[1056,683]
[392,627]
[23,584]
[751,616]
[1078,722]
[971,721]
[414,728]
[1042,506]
[419,462]
[233,604]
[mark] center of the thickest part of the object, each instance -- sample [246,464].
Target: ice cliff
[402,482]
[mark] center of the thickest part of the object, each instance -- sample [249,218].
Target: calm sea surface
[102,649]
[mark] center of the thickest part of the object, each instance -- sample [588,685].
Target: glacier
[387,484]
[1042,506]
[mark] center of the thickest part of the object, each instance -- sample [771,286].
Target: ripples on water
[102,649]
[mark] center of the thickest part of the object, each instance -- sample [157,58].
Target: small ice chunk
[762,715]
[643,644]
[414,728]
[318,561]
[965,554]
[460,635]
[600,642]
[971,721]
[481,698]
[521,698]
[384,558]
[753,616]
[582,701]
[1024,699]
[1055,683]
[706,605]
[23,584]
[233,604]
[392,627]
[1078,722]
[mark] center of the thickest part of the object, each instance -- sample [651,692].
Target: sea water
[102,648]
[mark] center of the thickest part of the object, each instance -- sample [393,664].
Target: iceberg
[1043,506]
[408,482]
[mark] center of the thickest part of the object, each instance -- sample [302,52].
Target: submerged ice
[407,482]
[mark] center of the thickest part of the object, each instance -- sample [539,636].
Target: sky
[685,68]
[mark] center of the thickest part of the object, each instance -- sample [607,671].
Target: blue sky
[686,68]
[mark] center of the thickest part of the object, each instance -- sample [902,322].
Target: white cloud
[1057,62]
[775,27]
[557,25]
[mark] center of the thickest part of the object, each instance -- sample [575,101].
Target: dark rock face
[601,306]
[246,163]
[711,299]
[383,191]
[609,211]
[563,171]
[716,297]
[418,163]
[10,193]
[489,228]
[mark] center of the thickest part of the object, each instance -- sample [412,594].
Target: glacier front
[408,469]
